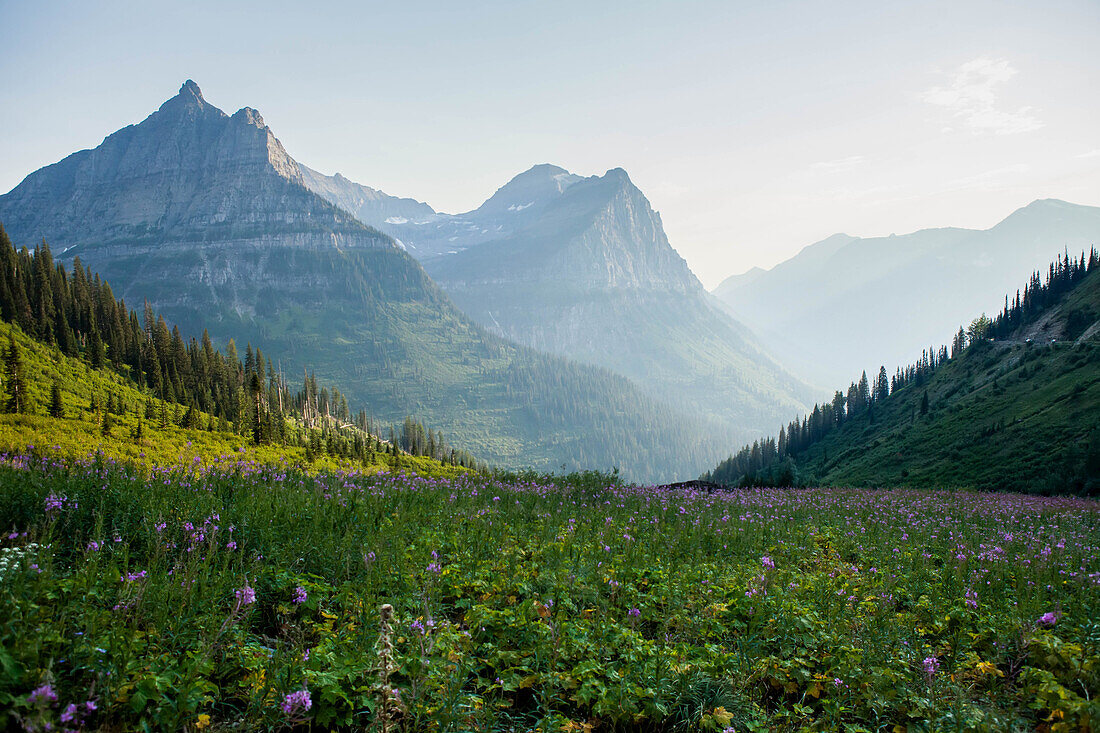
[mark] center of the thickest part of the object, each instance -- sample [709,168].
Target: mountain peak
[249,116]
[617,174]
[536,185]
[189,97]
[190,87]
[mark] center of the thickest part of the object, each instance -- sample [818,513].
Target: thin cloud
[840,164]
[971,98]
[1094,153]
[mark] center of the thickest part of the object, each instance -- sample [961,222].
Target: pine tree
[924,404]
[57,409]
[94,351]
[14,379]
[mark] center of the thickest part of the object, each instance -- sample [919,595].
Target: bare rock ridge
[187,173]
[369,205]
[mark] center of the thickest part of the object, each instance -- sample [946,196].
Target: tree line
[77,312]
[770,461]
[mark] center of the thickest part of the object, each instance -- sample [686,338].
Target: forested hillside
[1012,405]
[70,333]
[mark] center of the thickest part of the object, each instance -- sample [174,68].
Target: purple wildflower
[297,702]
[43,693]
[300,595]
[246,595]
[931,666]
[1048,619]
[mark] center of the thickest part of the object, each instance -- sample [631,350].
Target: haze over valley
[698,367]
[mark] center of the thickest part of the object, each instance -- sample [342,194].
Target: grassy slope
[373,324]
[1003,415]
[79,432]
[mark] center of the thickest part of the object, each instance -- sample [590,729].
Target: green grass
[79,432]
[527,605]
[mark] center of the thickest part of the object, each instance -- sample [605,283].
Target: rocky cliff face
[582,267]
[187,173]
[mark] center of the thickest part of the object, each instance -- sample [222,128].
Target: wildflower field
[230,595]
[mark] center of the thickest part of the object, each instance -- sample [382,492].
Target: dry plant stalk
[389,707]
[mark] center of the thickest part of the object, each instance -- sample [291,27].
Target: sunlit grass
[529,604]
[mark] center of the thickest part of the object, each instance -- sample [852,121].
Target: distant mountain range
[207,216]
[846,304]
[581,267]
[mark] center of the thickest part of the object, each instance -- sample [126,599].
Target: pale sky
[755,128]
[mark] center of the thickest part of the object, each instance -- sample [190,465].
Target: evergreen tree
[14,379]
[94,351]
[57,409]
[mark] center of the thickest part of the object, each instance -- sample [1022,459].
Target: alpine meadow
[569,449]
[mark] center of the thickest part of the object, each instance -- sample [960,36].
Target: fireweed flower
[1048,619]
[634,612]
[300,595]
[767,562]
[931,665]
[296,702]
[43,693]
[246,595]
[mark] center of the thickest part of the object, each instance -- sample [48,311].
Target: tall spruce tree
[57,409]
[14,380]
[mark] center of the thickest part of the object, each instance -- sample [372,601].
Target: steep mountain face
[581,267]
[205,215]
[1016,413]
[847,304]
[188,173]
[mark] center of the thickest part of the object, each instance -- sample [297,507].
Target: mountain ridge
[205,215]
[587,272]
[815,310]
